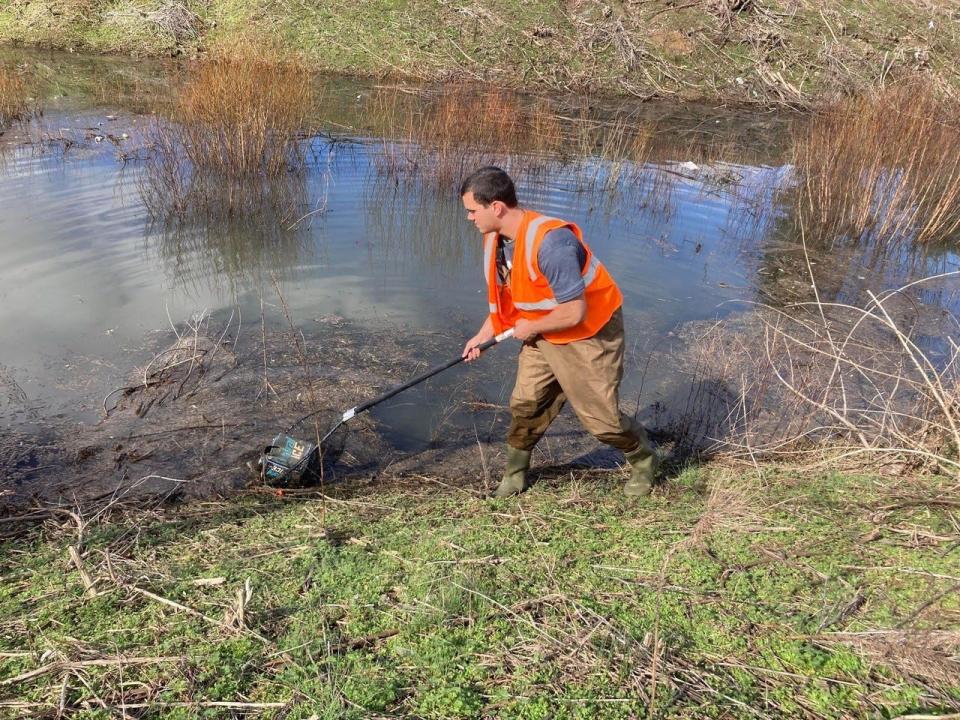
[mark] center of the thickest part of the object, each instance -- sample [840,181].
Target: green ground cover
[766,51]
[726,594]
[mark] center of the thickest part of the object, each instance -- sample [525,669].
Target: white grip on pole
[504,335]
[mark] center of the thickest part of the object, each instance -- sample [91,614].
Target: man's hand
[470,350]
[525,330]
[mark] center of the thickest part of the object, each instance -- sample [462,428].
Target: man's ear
[499,208]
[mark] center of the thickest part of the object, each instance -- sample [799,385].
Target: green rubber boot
[643,466]
[515,474]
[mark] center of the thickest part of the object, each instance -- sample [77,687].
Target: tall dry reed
[13,96]
[884,168]
[441,138]
[229,144]
[238,114]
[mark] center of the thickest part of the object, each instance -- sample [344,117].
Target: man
[543,281]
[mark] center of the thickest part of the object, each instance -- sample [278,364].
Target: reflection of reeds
[881,168]
[13,96]
[174,190]
[229,146]
[224,254]
[441,242]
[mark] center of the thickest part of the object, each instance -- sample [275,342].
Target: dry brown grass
[733,503]
[817,384]
[884,167]
[229,145]
[443,138]
[13,96]
[239,112]
[930,656]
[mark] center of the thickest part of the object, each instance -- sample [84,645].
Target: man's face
[487,219]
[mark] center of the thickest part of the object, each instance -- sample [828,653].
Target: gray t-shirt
[561,258]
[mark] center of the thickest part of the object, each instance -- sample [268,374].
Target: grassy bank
[724,595]
[774,51]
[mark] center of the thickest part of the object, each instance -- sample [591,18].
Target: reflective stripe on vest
[528,242]
[542,305]
[488,248]
[550,304]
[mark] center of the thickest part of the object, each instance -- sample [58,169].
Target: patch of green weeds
[451,700]
[550,605]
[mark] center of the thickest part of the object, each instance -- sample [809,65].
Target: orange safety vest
[528,294]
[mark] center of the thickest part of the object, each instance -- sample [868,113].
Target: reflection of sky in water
[83,276]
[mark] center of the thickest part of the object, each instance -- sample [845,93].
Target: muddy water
[87,280]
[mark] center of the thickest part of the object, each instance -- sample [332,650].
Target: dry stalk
[13,96]
[235,616]
[882,168]
[88,583]
[827,383]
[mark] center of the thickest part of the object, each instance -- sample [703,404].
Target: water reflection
[227,255]
[415,228]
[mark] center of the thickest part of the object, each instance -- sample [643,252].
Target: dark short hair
[488,184]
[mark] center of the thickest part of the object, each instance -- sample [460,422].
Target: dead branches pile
[180,369]
[177,20]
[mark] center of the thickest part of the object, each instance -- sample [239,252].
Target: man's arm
[561,258]
[563,316]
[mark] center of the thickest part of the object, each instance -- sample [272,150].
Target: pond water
[85,276]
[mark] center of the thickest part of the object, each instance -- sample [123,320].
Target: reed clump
[239,112]
[233,126]
[442,138]
[881,168]
[13,96]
